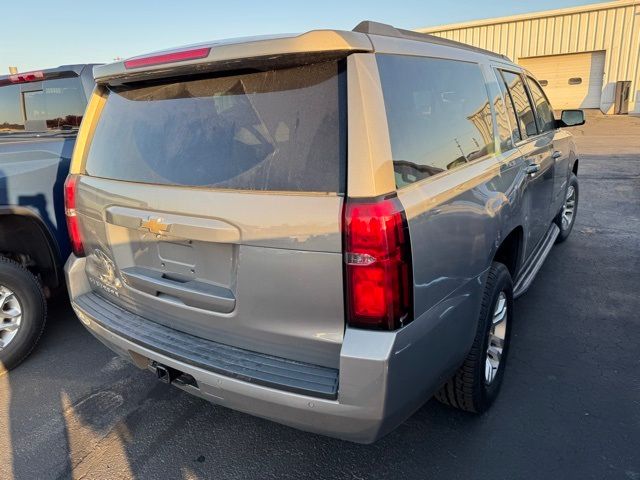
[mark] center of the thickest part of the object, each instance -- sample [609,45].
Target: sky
[42,34]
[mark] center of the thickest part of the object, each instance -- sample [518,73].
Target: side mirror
[571,118]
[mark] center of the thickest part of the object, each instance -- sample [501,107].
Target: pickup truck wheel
[567,215]
[476,384]
[22,313]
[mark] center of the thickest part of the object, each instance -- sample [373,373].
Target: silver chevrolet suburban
[322,229]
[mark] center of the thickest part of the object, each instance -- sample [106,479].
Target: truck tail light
[378,264]
[167,58]
[70,192]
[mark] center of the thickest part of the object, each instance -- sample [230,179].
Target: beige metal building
[578,54]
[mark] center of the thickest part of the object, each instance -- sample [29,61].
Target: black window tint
[438,112]
[277,130]
[544,113]
[10,111]
[60,103]
[526,119]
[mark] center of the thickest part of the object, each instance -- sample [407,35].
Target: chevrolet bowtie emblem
[155,225]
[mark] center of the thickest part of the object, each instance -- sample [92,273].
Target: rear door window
[524,110]
[511,110]
[281,130]
[544,113]
[503,122]
[438,112]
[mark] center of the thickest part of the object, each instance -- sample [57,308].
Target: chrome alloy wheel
[569,208]
[497,334]
[10,316]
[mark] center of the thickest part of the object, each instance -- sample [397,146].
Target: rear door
[212,205]
[537,149]
[561,143]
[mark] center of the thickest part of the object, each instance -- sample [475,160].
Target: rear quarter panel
[456,223]
[457,220]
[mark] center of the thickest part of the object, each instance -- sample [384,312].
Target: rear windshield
[59,104]
[55,104]
[281,130]
[11,116]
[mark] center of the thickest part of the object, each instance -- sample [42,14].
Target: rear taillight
[378,264]
[167,58]
[70,192]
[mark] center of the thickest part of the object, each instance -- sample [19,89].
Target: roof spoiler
[261,53]
[257,53]
[374,28]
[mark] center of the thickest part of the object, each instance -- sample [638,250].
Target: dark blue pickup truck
[40,113]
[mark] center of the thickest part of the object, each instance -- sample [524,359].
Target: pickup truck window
[11,118]
[524,110]
[60,103]
[438,112]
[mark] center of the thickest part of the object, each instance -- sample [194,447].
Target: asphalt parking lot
[569,408]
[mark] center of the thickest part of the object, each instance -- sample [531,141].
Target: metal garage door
[570,81]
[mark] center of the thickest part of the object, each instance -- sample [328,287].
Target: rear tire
[23,312]
[476,384]
[566,218]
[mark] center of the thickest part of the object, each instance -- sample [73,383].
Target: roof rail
[376,28]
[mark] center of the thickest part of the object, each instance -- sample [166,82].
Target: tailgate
[212,206]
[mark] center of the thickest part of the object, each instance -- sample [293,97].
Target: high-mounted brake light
[167,58]
[26,77]
[70,192]
[378,264]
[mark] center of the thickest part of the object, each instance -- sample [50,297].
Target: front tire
[476,384]
[23,312]
[566,218]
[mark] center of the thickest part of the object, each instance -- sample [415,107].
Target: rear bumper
[383,376]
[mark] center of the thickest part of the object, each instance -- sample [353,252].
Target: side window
[60,103]
[524,111]
[506,116]
[438,112]
[10,109]
[544,113]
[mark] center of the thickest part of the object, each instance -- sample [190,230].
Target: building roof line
[531,16]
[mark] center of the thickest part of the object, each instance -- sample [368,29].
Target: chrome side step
[528,273]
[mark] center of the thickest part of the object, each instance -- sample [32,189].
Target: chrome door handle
[556,155]
[532,168]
